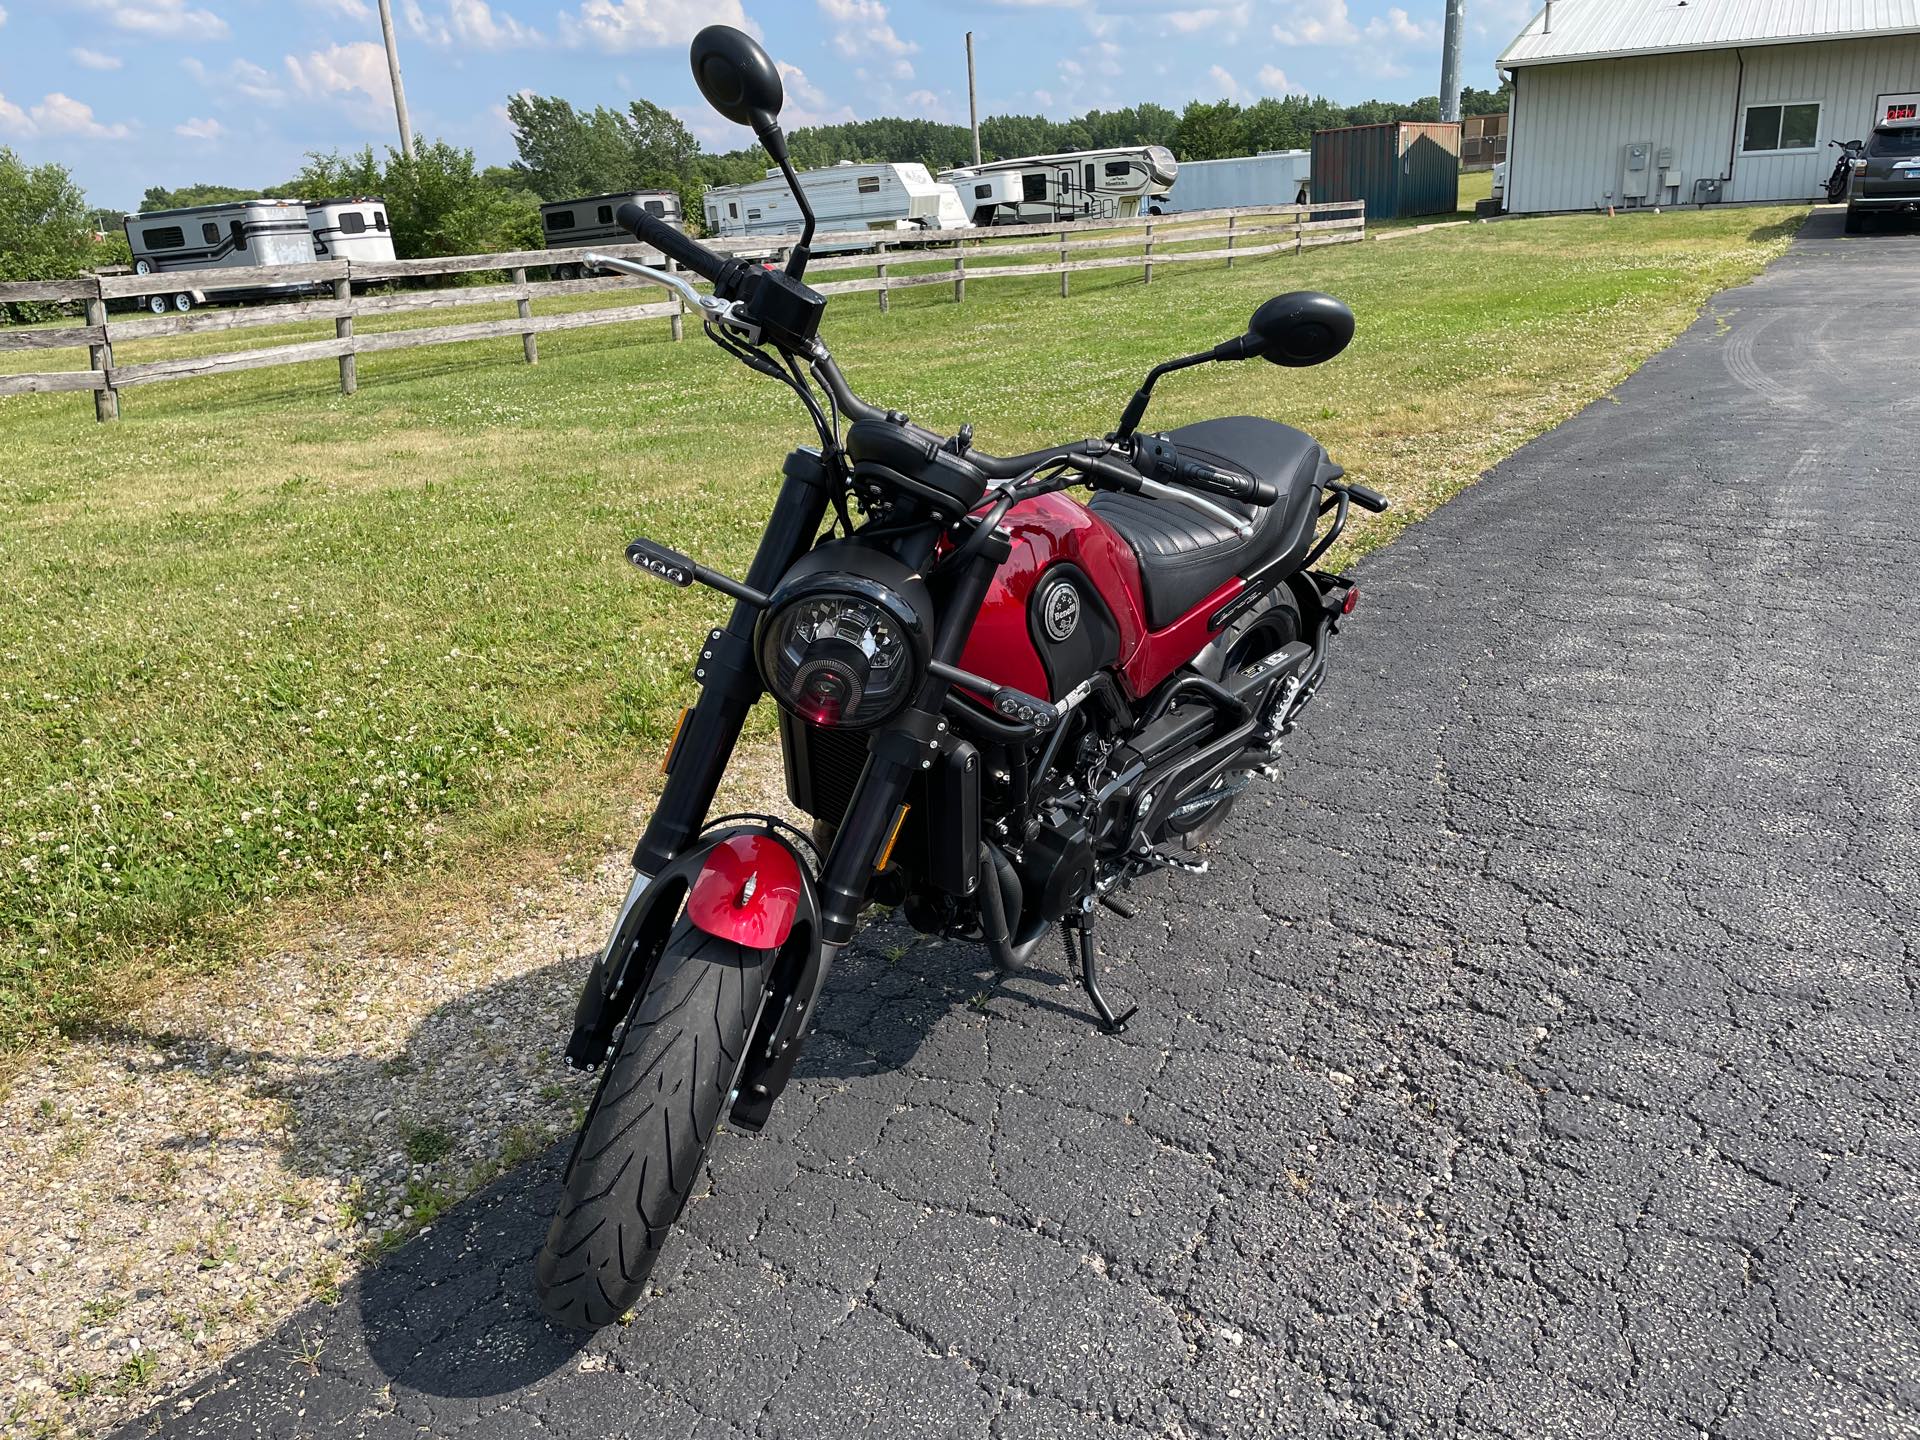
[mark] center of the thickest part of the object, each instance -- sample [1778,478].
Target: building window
[352,222]
[868,185]
[1772,129]
[167,238]
[560,220]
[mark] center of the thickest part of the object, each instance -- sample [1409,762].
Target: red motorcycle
[999,705]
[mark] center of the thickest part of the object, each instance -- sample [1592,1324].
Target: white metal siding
[1587,29]
[1573,122]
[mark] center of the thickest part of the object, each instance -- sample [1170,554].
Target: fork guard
[707,882]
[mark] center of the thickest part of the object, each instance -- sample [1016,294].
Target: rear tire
[1856,222]
[651,1124]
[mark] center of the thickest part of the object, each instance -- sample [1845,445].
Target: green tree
[1208,131]
[46,230]
[440,205]
[332,175]
[158,197]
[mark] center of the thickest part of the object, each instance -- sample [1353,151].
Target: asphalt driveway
[1540,1060]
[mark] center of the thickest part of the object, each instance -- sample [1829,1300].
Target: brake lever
[727,312]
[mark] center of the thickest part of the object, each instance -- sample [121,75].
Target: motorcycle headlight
[845,649]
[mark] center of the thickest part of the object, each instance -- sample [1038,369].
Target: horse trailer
[1113,184]
[350,228]
[847,196]
[581,224]
[1273,177]
[231,236]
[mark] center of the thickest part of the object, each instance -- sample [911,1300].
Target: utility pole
[972,102]
[393,69]
[1450,60]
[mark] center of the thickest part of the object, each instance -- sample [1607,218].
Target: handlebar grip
[1225,482]
[720,270]
[1367,498]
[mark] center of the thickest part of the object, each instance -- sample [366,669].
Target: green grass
[266,647]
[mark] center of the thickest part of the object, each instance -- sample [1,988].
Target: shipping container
[1273,177]
[1400,169]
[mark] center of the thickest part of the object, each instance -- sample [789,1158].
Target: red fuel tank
[1068,603]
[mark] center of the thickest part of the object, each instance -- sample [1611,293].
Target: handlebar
[721,271]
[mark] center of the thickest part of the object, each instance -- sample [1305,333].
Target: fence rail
[326,291]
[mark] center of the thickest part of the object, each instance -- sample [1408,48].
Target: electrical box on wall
[1707,190]
[1637,170]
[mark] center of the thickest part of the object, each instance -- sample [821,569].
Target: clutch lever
[1121,476]
[1242,528]
[714,308]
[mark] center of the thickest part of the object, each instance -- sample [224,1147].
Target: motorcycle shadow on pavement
[452,1314]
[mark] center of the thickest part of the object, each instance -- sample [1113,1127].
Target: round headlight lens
[837,659]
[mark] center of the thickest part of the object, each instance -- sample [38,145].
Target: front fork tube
[904,749]
[728,675]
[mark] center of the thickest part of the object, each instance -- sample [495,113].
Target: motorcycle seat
[1185,555]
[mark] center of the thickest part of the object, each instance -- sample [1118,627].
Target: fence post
[674,322]
[1300,218]
[881,271]
[1230,220]
[1063,265]
[343,330]
[959,278]
[1148,280]
[106,400]
[528,342]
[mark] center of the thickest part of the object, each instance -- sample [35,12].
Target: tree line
[441,201]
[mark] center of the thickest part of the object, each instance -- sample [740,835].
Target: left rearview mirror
[738,77]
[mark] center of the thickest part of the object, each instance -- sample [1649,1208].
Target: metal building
[1400,169]
[1637,103]
[1273,177]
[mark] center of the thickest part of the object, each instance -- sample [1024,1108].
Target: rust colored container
[1400,169]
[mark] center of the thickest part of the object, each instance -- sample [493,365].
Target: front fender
[709,877]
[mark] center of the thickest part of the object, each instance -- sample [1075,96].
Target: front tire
[651,1124]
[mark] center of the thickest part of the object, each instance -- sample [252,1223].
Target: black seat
[1184,555]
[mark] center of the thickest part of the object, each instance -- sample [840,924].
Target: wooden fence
[327,290]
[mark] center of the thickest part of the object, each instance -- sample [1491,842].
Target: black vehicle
[1886,176]
[1000,707]
[1842,175]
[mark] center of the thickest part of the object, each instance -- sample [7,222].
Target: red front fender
[748,891]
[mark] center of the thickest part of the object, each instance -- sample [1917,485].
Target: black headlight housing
[846,640]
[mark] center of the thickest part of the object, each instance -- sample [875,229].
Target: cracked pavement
[1537,1061]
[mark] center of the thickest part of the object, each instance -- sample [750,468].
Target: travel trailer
[1273,177]
[1111,184]
[350,228]
[234,235]
[581,224]
[847,196]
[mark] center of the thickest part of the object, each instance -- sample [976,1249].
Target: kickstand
[1089,980]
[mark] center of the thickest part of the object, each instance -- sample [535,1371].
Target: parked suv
[1886,177]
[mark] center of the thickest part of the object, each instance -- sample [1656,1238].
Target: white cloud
[1222,78]
[341,70]
[57,114]
[163,19]
[1213,17]
[1316,22]
[475,24]
[242,77]
[197,128]
[94,60]
[862,26]
[624,25]
[343,9]
[3,14]
[813,107]
[1396,25]
[1274,80]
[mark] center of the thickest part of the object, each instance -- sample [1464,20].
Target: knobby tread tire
[650,1125]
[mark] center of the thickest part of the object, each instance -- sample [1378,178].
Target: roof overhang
[1701,48]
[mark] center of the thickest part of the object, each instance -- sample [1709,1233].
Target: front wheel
[650,1126]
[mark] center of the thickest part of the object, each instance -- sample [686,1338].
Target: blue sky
[132,93]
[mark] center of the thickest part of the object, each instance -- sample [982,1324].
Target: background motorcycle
[1000,706]
[1842,176]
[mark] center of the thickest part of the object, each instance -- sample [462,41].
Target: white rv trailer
[581,224]
[234,235]
[350,228]
[847,196]
[1273,177]
[1113,184]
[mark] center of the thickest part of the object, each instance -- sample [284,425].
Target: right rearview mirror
[738,78]
[1301,328]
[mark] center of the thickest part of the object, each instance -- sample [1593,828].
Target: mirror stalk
[776,146]
[1137,407]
